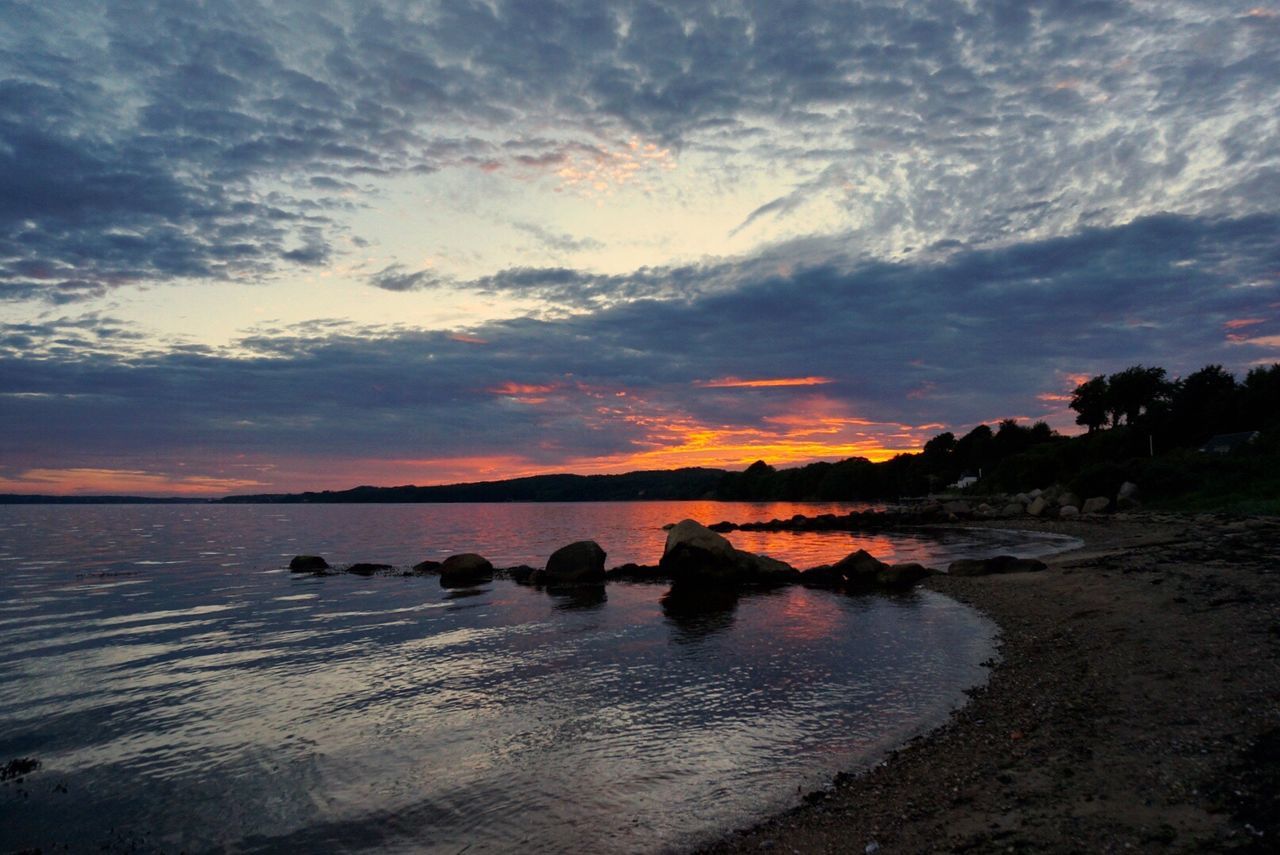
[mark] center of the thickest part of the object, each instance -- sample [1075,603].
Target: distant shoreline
[1136,705]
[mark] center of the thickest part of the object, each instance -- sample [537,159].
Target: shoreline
[1135,706]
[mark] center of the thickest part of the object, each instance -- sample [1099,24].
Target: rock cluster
[862,571]
[697,556]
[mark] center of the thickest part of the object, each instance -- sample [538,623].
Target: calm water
[184,692]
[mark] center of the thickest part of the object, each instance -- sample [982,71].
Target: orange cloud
[739,383]
[1238,323]
[525,393]
[467,338]
[86,481]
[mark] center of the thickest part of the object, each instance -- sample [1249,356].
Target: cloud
[860,356]
[396,277]
[152,142]
[558,241]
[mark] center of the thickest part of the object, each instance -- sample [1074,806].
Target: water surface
[184,692]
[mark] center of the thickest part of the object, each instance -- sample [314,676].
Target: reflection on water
[699,611]
[209,700]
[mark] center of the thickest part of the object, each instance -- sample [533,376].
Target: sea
[167,685]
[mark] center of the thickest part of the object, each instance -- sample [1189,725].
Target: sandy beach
[1135,706]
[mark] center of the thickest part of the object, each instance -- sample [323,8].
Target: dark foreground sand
[1136,707]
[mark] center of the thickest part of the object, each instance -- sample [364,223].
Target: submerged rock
[367,569]
[521,574]
[423,568]
[308,564]
[577,563]
[465,570]
[631,572]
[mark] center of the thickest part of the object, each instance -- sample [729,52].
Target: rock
[366,569]
[1068,511]
[723,526]
[576,563]
[631,572]
[822,576]
[860,568]
[1013,509]
[465,570]
[1038,506]
[423,568]
[1022,499]
[1127,504]
[1128,490]
[992,566]
[957,508]
[1050,494]
[763,570]
[1096,505]
[308,564]
[900,577]
[1068,499]
[696,554]
[520,574]
[1034,494]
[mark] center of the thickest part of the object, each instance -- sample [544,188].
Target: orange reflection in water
[809,616]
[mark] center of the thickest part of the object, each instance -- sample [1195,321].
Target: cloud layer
[824,360]
[697,232]
[150,142]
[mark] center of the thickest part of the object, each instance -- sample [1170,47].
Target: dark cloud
[977,334]
[397,277]
[136,137]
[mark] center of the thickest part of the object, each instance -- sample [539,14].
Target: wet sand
[1135,706]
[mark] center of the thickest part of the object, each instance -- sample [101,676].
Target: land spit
[1135,706]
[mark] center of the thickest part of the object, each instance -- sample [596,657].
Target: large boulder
[426,568]
[993,566]
[1038,506]
[577,563]
[1068,499]
[465,570]
[696,555]
[1013,509]
[1067,511]
[1096,505]
[308,564]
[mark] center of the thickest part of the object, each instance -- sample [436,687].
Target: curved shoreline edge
[1135,706]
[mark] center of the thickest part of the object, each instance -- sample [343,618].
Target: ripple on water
[243,707]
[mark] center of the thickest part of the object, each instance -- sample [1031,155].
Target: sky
[256,247]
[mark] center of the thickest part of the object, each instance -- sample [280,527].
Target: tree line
[1128,415]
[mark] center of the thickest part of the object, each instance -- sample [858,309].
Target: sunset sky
[250,247]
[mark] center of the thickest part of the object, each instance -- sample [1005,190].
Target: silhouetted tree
[1260,398]
[1092,401]
[1204,403]
[1135,391]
